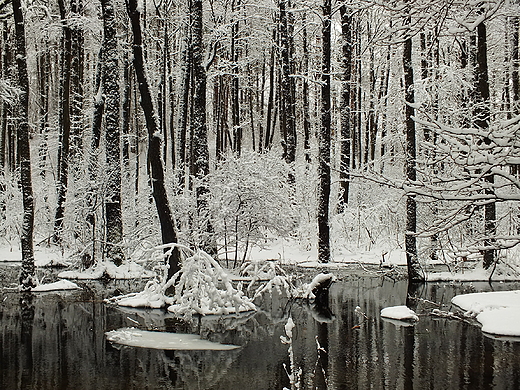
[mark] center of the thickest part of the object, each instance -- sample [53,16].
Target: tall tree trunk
[200,151]
[345,111]
[182,120]
[481,120]
[63,148]
[92,164]
[76,82]
[287,92]
[270,102]
[235,85]
[324,140]
[305,92]
[412,261]
[27,280]
[111,82]
[154,143]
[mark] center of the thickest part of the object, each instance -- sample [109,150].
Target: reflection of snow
[400,313]
[164,340]
[498,312]
[59,285]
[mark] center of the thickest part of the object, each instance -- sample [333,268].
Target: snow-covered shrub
[250,200]
[265,276]
[204,287]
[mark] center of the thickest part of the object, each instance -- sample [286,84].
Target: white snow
[164,340]
[498,312]
[43,256]
[318,279]
[401,313]
[59,285]
[127,270]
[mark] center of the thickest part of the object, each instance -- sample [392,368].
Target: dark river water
[57,341]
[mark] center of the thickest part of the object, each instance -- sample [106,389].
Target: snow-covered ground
[498,312]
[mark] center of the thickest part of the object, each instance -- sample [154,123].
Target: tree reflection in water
[57,341]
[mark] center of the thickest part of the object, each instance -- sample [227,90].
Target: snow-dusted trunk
[481,120]
[345,111]
[24,152]
[235,85]
[200,151]
[154,142]
[287,92]
[111,82]
[412,261]
[182,120]
[92,163]
[305,92]
[76,81]
[269,128]
[65,122]
[324,140]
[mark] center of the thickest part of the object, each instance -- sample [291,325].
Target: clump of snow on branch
[307,290]
[204,287]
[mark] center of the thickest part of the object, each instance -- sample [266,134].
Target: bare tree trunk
[412,261]
[200,151]
[270,103]
[182,120]
[235,85]
[305,92]
[481,120]
[27,280]
[324,140]
[345,111]
[63,148]
[287,92]
[154,143]
[111,81]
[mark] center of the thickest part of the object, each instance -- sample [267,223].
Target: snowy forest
[225,124]
[265,194]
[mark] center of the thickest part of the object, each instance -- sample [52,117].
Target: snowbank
[498,312]
[59,285]
[401,313]
[164,340]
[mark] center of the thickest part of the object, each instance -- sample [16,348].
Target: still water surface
[57,341]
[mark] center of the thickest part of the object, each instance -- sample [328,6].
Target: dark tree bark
[324,140]
[111,81]
[235,85]
[63,148]
[412,261]
[305,92]
[76,82]
[287,92]
[182,121]
[200,151]
[92,167]
[27,280]
[481,120]
[270,102]
[154,143]
[345,111]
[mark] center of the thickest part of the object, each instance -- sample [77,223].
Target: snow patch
[59,285]
[498,312]
[400,313]
[164,340]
